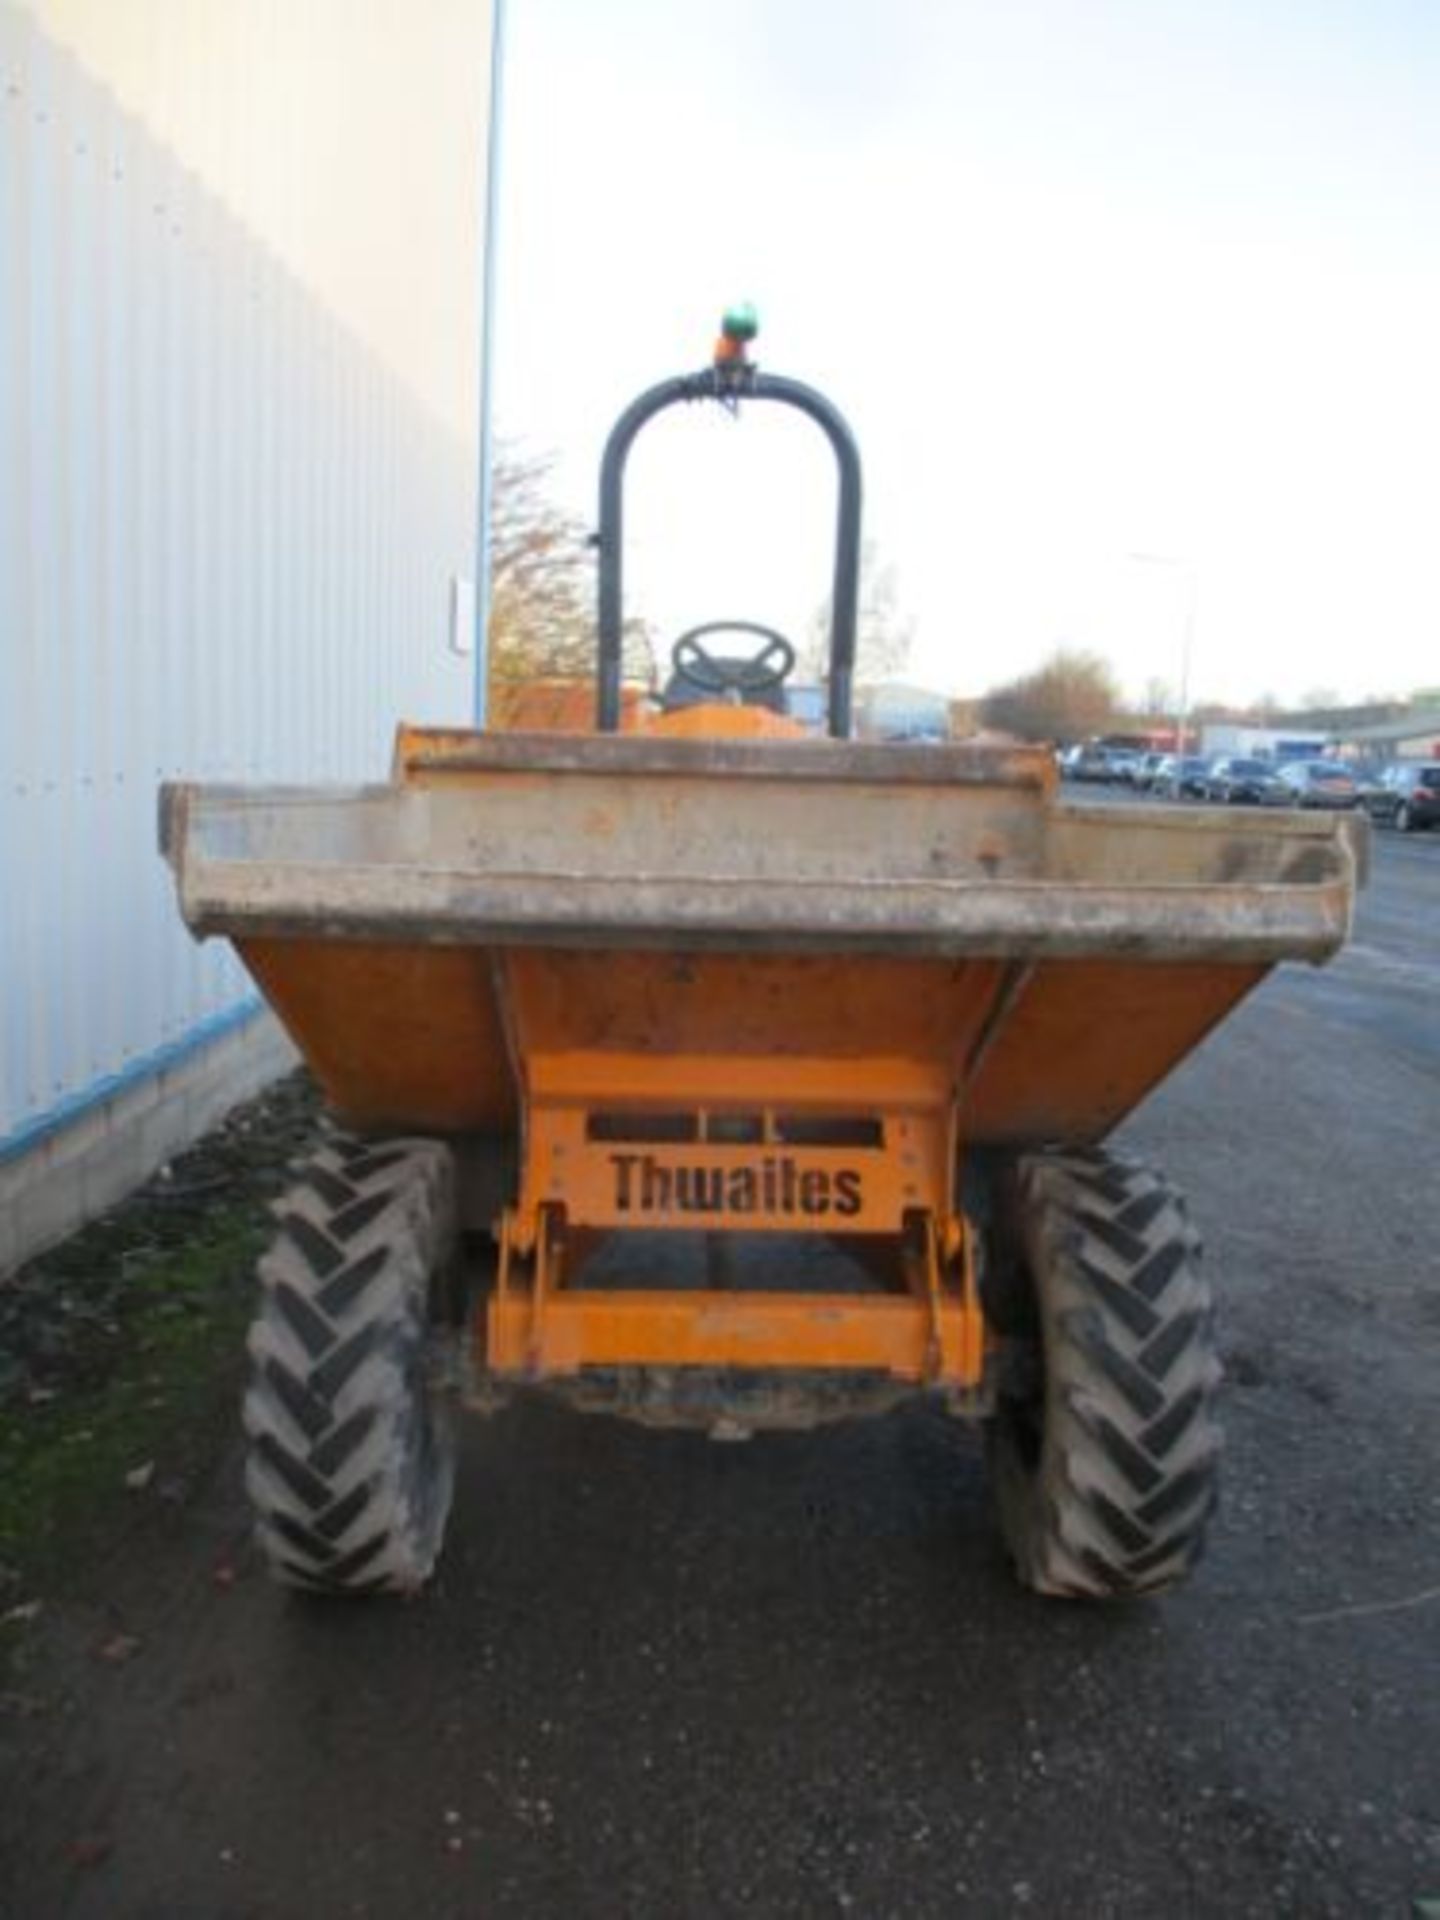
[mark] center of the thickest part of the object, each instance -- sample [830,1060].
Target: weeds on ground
[119,1348]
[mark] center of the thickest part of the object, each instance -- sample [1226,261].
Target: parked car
[1246,783]
[1183,777]
[1406,796]
[1150,765]
[1320,783]
[1125,765]
[1368,783]
[1090,762]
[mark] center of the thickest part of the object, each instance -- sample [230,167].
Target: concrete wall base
[106,1152]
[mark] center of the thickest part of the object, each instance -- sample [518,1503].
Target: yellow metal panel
[1086,1040]
[401,1036]
[716,720]
[892,1335]
[410,1035]
[621,1079]
[768,1185]
[535,1324]
[780,1006]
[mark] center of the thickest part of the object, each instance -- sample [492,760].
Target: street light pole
[1187,645]
[1187,631]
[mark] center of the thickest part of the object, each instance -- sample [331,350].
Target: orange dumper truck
[712,1074]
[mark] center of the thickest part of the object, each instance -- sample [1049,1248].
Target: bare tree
[1319,699]
[883,633]
[1070,697]
[542,582]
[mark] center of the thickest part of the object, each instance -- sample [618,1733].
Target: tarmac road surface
[662,1677]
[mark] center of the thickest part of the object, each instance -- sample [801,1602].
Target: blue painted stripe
[205,1033]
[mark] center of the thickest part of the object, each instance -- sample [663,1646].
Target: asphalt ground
[657,1676]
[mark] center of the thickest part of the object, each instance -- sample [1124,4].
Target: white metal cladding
[226,545]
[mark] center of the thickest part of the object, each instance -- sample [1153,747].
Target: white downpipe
[489,261]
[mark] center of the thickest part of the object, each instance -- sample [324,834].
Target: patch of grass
[123,1348]
[169,1382]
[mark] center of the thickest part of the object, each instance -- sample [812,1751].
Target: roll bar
[730,385]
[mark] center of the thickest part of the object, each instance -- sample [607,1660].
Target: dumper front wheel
[351,1452]
[1104,1449]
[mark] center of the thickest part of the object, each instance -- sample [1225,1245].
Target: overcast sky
[1089,278]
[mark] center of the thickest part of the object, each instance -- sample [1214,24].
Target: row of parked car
[1405,796]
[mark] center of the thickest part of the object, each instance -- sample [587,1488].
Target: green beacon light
[738,328]
[741,323]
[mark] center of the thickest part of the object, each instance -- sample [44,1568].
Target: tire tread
[350,1463]
[1114,1499]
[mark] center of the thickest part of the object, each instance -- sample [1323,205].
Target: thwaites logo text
[773,1185]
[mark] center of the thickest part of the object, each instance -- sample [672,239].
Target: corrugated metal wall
[226,543]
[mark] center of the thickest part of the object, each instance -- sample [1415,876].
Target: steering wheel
[718,674]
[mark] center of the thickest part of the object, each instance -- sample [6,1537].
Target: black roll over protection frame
[730,382]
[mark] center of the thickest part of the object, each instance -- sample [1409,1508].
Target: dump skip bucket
[1065,956]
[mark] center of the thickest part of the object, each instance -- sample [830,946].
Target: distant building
[896,710]
[1414,737]
[808,703]
[1337,722]
[1278,743]
[1402,735]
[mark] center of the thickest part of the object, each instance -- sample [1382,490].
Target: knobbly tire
[351,1461]
[1104,1450]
